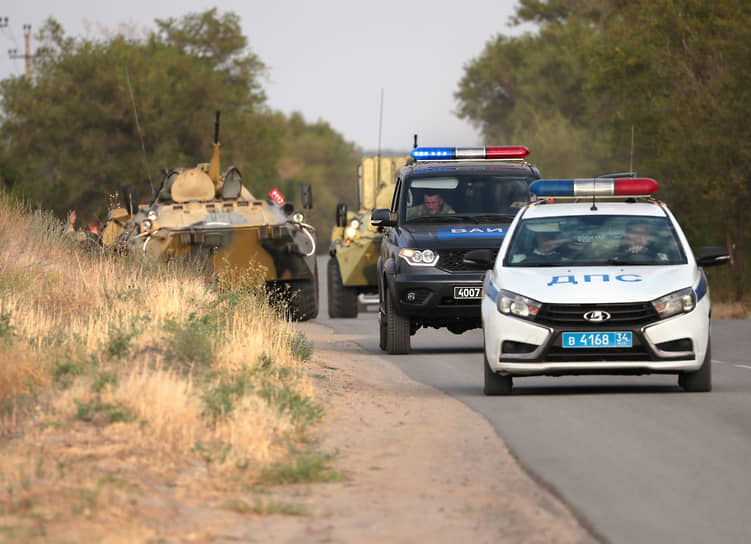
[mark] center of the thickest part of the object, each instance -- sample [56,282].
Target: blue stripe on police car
[445,233]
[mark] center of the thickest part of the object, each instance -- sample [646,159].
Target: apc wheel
[699,381]
[397,330]
[495,384]
[303,300]
[342,300]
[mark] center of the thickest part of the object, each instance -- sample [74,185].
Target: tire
[382,326]
[342,300]
[302,300]
[699,381]
[495,384]
[397,330]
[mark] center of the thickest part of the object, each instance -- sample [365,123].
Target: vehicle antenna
[380,125]
[414,145]
[140,134]
[594,192]
[631,165]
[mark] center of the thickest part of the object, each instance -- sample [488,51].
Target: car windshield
[595,240]
[474,197]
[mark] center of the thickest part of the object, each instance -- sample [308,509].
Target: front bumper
[515,346]
[429,296]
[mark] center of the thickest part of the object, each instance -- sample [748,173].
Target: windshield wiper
[491,216]
[450,217]
[618,261]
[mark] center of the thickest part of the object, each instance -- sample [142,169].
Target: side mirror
[479,258]
[712,256]
[341,214]
[381,217]
[306,193]
[130,202]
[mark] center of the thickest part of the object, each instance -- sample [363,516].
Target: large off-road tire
[495,384]
[397,330]
[302,300]
[698,381]
[342,300]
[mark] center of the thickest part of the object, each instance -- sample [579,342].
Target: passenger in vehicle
[638,243]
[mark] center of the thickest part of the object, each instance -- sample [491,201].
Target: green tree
[70,132]
[673,73]
[316,153]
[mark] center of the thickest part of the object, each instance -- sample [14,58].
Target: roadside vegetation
[655,86]
[123,384]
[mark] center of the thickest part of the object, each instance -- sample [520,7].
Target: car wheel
[495,384]
[382,334]
[699,381]
[397,330]
[342,300]
[303,300]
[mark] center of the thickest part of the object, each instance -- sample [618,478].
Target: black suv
[447,202]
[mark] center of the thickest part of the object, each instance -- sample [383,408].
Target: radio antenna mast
[380,125]
[140,134]
[631,165]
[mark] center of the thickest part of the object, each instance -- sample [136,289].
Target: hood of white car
[593,284]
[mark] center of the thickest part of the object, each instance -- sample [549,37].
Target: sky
[331,60]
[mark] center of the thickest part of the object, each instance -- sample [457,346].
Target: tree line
[98,115]
[655,86]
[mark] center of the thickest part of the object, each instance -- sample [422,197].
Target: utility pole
[13,53]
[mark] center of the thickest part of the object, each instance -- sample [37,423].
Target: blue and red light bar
[455,153]
[594,186]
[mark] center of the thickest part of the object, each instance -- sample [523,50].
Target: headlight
[509,303]
[298,217]
[354,223]
[350,232]
[146,224]
[417,257]
[682,301]
[151,215]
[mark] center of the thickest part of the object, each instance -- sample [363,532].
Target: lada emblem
[596,316]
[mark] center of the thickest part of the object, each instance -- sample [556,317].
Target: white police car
[603,284]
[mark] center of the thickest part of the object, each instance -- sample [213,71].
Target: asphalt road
[637,459]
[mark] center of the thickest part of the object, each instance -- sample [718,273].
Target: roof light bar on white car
[594,186]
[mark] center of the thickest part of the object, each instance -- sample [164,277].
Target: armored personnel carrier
[200,214]
[355,244]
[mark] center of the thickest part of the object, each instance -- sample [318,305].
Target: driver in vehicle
[433,204]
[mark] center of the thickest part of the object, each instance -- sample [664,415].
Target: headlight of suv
[682,301]
[509,303]
[417,257]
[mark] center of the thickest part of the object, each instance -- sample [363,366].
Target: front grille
[621,315]
[636,353]
[452,260]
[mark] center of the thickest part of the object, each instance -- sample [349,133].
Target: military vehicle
[200,214]
[355,244]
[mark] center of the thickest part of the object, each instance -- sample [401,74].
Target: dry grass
[144,371]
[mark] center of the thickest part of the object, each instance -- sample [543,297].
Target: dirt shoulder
[419,466]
